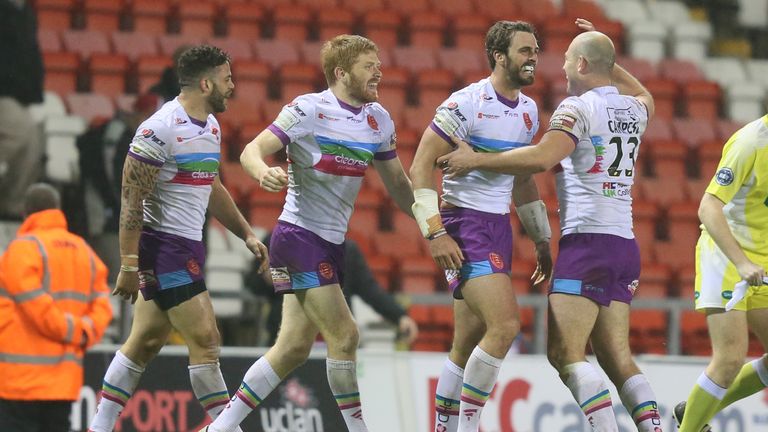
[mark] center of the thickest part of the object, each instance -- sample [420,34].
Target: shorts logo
[147,279]
[727,295]
[495,260]
[193,267]
[280,276]
[451,275]
[724,177]
[696,295]
[325,270]
[633,286]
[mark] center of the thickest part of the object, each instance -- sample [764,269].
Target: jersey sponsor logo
[495,260]
[323,116]
[616,190]
[481,115]
[724,176]
[372,122]
[149,134]
[528,121]
[295,107]
[623,121]
[193,267]
[325,270]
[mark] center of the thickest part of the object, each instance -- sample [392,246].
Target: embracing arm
[272,179]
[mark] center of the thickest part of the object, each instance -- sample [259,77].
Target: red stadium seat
[91,106]
[469,31]
[661,191]
[54,14]
[419,275]
[291,22]
[238,49]
[544,11]
[333,22]
[427,28]
[644,216]
[414,58]
[49,40]
[251,79]
[462,60]
[726,128]
[694,334]
[498,9]
[297,79]
[383,269]
[397,245]
[149,69]
[134,44]
[418,118]
[648,331]
[694,131]
[276,52]
[702,99]
[244,20]
[85,43]
[382,26]
[560,27]
[641,69]
[108,72]
[676,254]
[102,15]
[197,18]
[654,281]
[242,110]
[683,223]
[670,159]
[409,7]
[170,43]
[680,71]
[393,90]
[665,95]
[435,86]
[659,130]
[310,52]
[61,72]
[453,8]
[363,7]
[149,16]
[550,66]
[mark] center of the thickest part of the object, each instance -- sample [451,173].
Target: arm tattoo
[138,181]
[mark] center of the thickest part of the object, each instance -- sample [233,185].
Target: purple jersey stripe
[284,138]
[440,132]
[385,155]
[145,160]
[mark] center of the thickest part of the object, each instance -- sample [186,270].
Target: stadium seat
[251,79]
[572,9]
[665,96]
[237,48]
[196,18]
[694,334]
[297,79]
[670,159]
[641,69]
[134,44]
[469,31]
[49,40]
[170,43]
[397,245]
[85,43]
[383,269]
[690,40]
[418,275]
[654,281]
[648,331]
[702,99]
[363,7]
[382,26]
[659,129]
[726,128]
[242,110]
[683,224]
[680,71]
[644,224]
[746,101]
[54,14]
[498,9]
[435,85]
[647,40]
[427,28]
[310,52]
[244,20]
[695,187]
[669,12]
[149,16]
[411,7]
[93,107]
[276,52]
[333,22]
[103,15]
[61,72]
[709,157]
[724,70]
[661,191]
[676,254]
[108,72]
[626,11]
[560,27]
[291,22]
[694,131]
[757,69]
[149,70]
[393,91]
[453,8]
[462,60]
[418,118]
[124,102]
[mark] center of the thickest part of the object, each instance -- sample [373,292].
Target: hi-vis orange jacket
[53,304]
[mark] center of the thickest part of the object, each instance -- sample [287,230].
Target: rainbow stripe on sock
[645,411]
[446,406]
[247,395]
[114,394]
[473,395]
[214,400]
[596,402]
[347,401]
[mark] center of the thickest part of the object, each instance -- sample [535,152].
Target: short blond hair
[342,51]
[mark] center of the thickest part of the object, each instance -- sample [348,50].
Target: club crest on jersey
[495,260]
[372,122]
[214,131]
[724,176]
[193,267]
[528,121]
[325,270]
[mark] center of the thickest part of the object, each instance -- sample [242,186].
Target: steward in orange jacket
[53,305]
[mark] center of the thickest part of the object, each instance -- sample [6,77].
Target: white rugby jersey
[187,152]
[595,185]
[489,123]
[330,144]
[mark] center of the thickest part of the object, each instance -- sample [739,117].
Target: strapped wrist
[533,216]
[426,212]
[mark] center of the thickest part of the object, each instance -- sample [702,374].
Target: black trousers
[34,416]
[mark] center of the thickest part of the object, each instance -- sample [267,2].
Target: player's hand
[274,179]
[446,252]
[543,264]
[127,286]
[458,162]
[259,252]
[585,25]
[751,272]
[407,329]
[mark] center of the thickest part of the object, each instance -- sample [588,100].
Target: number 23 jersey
[595,184]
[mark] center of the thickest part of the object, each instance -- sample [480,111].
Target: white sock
[592,395]
[120,381]
[257,384]
[447,397]
[342,378]
[638,398]
[479,378]
[209,387]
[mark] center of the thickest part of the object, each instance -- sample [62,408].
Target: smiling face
[519,62]
[222,88]
[362,80]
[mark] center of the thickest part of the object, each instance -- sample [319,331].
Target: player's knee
[504,331]
[205,339]
[556,357]
[295,354]
[729,366]
[345,339]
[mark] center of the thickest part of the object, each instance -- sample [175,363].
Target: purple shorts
[485,240]
[601,267]
[167,263]
[300,259]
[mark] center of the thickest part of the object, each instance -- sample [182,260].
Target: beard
[359,90]
[217,100]
[515,76]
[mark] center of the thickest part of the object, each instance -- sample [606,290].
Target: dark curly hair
[197,61]
[499,37]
